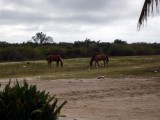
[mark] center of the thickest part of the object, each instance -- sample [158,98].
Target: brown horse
[56,58]
[101,57]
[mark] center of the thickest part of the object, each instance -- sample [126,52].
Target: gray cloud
[78,5]
[19,17]
[90,12]
[81,17]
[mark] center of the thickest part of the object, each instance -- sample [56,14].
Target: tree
[118,41]
[148,8]
[42,38]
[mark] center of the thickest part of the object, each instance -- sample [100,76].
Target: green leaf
[38,111]
[59,108]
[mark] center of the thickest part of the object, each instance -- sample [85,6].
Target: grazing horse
[56,58]
[101,57]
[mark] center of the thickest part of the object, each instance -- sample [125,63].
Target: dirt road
[106,98]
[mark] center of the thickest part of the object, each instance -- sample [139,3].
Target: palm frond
[148,8]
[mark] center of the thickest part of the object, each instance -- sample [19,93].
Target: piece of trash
[101,77]
[155,71]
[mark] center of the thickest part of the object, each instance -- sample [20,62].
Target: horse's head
[47,58]
[91,62]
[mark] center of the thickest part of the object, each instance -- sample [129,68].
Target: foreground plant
[25,102]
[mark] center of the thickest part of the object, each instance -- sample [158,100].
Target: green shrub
[25,102]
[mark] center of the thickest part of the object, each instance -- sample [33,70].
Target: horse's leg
[97,63]
[61,63]
[104,63]
[57,63]
[49,64]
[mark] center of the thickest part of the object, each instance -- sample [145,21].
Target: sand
[104,98]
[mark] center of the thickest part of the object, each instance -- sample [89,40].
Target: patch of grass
[141,66]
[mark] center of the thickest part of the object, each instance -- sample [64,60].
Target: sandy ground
[106,98]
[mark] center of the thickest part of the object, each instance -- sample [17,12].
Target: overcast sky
[76,20]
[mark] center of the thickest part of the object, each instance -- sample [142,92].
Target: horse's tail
[61,61]
[107,59]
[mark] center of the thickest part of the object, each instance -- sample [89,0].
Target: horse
[100,57]
[56,58]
